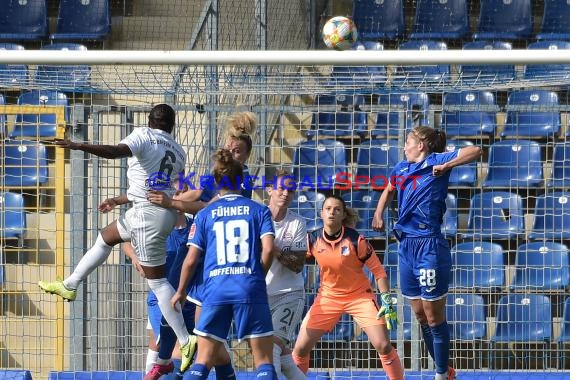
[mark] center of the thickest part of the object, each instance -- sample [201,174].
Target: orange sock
[302,362]
[392,365]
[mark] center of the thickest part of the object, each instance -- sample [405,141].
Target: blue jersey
[229,233]
[209,188]
[421,195]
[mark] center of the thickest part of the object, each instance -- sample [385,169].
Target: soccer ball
[340,33]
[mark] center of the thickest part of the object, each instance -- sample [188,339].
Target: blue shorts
[425,267]
[250,321]
[195,294]
[155,315]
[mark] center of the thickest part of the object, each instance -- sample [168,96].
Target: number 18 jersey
[229,233]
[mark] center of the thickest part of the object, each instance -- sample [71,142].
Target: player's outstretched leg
[57,287]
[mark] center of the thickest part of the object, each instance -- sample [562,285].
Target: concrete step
[182,8]
[143,28]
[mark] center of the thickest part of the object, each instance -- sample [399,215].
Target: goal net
[338,120]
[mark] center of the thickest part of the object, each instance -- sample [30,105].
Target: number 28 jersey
[154,151]
[229,232]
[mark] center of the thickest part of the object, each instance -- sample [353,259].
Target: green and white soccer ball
[339,33]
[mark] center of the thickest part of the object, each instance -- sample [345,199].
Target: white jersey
[290,235]
[154,151]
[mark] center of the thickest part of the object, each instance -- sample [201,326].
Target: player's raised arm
[466,154]
[104,151]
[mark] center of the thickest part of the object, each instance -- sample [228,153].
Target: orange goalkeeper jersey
[341,263]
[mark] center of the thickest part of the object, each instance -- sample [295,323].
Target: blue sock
[167,340]
[225,372]
[175,374]
[197,372]
[441,346]
[428,339]
[266,372]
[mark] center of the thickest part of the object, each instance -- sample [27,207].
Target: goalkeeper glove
[387,311]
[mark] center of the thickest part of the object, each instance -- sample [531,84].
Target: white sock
[88,263]
[151,357]
[290,369]
[441,376]
[277,360]
[164,292]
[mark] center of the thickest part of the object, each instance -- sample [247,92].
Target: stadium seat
[23,20]
[504,20]
[514,163]
[339,116]
[365,202]
[449,225]
[67,78]
[495,215]
[422,76]
[560,177]
[551,217]
[316,163]
[13,75]
[469,113]
[308,204]
[358,77]
[522,318]
[390,262]
[541,266]
[466,316]
[532,114]
[486,74]
[378,20]
[564,337]
[436,19]
[405,110]
[83,20]
[463,175]
[24,164]
[375,161]
[478,266]
[12,216]
[342,332]
[39,125]
[554,24]
[548,72]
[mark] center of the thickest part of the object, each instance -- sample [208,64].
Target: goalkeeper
[341,254]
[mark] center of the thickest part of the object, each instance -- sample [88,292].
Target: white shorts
[147,226]
[287,313]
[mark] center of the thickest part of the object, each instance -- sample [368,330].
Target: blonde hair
[241,126]
[435,139]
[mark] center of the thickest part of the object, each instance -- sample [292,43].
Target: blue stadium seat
[541,266]
[495,215]
[478,266]
[25,164]
[486,74]
[390,262]
[449,225]
[378,20]
[533,114]
[560,177]
[12,216]
[318,162]
[564,336]
[13,75]
[375,161]
[436,19]
[548,72]
[308,204]
[339,116]
[365,202]
[469,113]
[466,316]
[522,318]
[504,20]
[422,76]
[342,332]
[16,374]
[83,20]
[70,78]
[39,125]
[23,20]
[463,175]
[514,163]
[555,18]
[409,110]
[551,217]
[360,76]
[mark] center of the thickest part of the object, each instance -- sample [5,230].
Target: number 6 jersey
[228,232]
